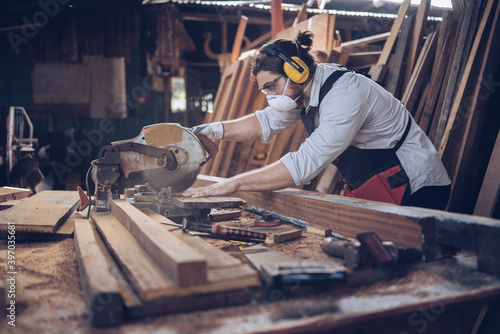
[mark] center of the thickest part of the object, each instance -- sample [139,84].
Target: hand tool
[218,231]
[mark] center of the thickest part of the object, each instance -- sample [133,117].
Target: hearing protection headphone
[294,67]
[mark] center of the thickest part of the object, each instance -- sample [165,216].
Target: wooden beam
[490,190]
[396,74]
[422,67]
[417,38]
[184,266]
[43,212]
[391,40]
[276,17]
[436,82]
[99,286]
[365,40]
[12,193]
[238,39]
[301,15]
[147,278]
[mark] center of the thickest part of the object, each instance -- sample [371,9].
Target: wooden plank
[417,39]
[391,40]
[239,98]
[238,39]
[395,79]
[452,125]
[469,140]
[320,25]
[99,285]
[147,278]
[457,59]
[207,202]
[286,236]
[12,193]
[365,41]
[184,266]
[423,66]
[452,34]
[328,179]
[43,212]
[490,190]
[438,75]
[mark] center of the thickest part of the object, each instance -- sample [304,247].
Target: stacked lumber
[46,215]
[446,88]
[442,72]
[132,266]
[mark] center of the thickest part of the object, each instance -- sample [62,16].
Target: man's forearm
[246,128]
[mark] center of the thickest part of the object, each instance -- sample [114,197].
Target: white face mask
[284,102]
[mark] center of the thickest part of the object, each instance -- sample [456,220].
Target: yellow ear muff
[294,74]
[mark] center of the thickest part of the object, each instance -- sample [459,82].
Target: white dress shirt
[356,111]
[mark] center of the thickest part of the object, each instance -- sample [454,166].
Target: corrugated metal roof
[265,5]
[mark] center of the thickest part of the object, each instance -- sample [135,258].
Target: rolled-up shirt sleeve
[341,117]
[273,122]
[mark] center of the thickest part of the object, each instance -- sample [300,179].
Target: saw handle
[209,146]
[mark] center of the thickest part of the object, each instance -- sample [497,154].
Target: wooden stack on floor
[140,267]
[47,215]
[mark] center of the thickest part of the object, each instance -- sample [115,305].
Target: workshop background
[78,75]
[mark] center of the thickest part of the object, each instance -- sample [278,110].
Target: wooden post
[240,33]
[276,17]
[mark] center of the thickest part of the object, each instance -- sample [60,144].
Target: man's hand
[217,189]
[211,130]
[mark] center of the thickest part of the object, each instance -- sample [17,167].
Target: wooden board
[184,266]
[286,236]
[207,202]
[396,27]
[43,212]
[99,286]
[490,190]
[147,278]
[417,39]
[396,74]
[12,193]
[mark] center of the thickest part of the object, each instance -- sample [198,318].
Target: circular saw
[164,155]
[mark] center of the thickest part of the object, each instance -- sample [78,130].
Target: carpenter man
[352,121]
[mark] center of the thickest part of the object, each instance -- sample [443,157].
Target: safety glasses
[269,85]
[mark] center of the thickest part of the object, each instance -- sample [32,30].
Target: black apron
[373,174]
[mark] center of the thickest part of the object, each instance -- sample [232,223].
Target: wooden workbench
[438,297]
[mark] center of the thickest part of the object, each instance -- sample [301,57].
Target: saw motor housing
[165,156]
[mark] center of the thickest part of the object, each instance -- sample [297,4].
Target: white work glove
[211,130]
